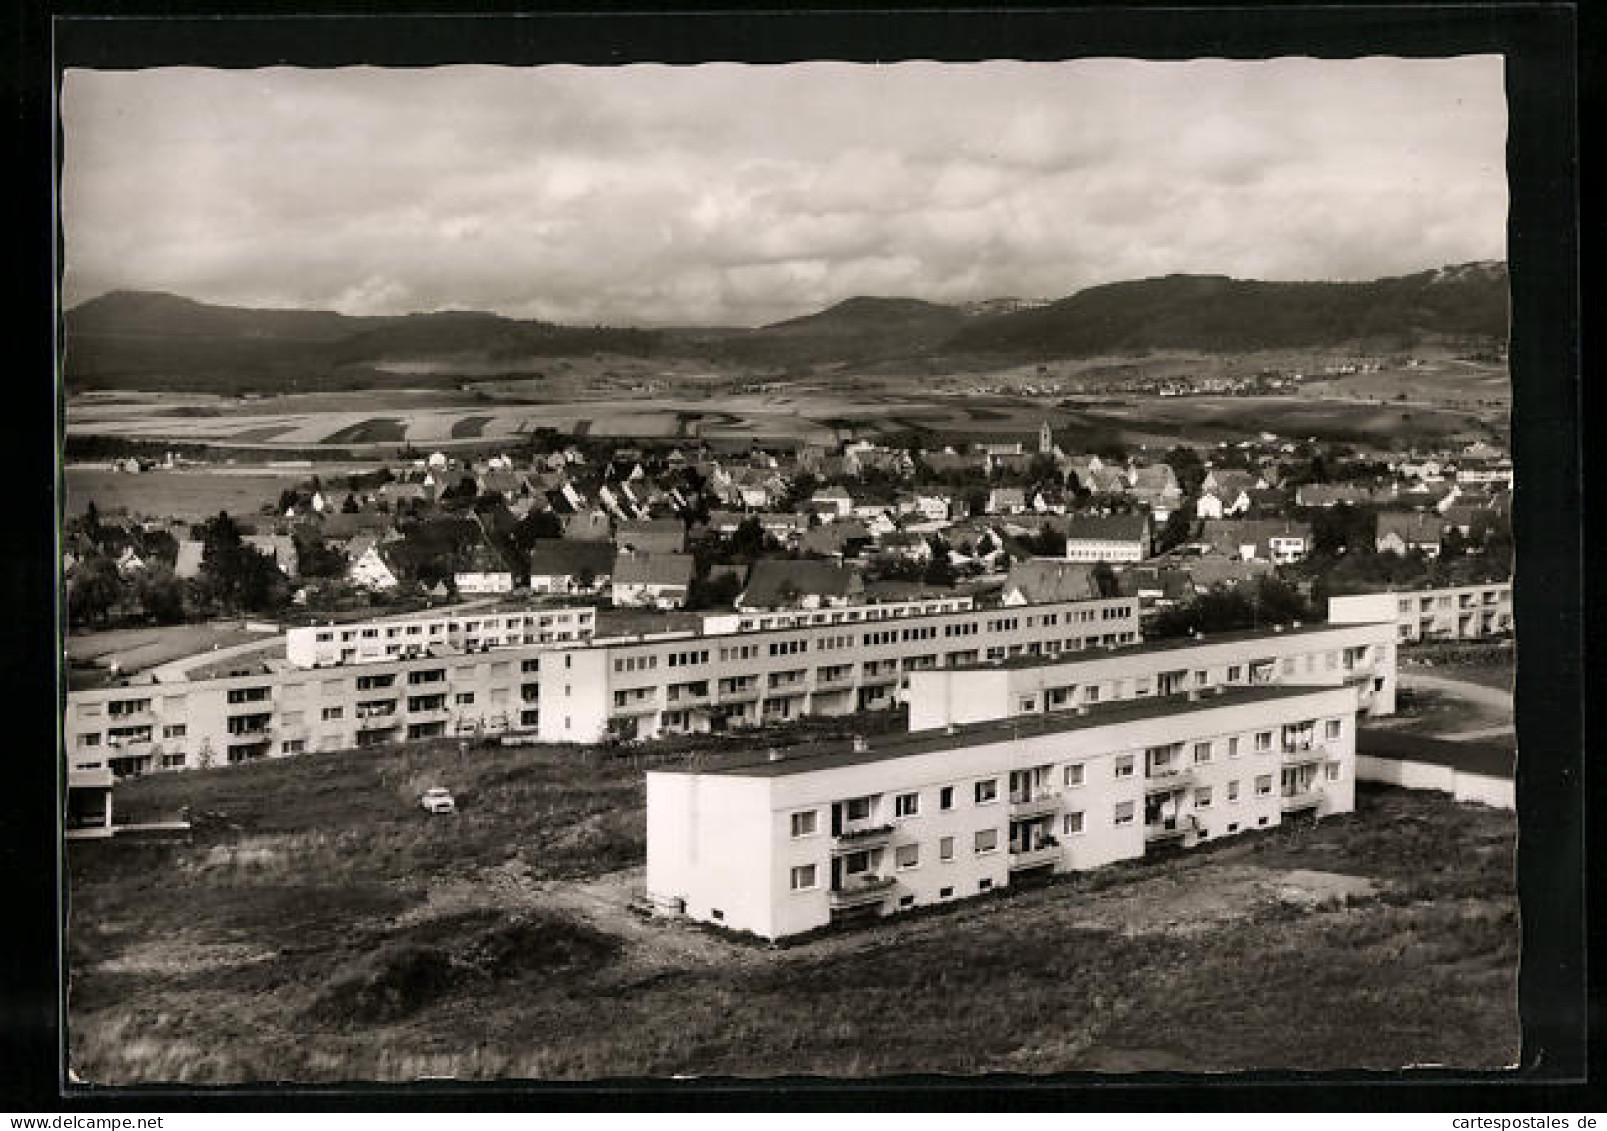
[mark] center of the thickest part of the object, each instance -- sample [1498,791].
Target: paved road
[1490,698]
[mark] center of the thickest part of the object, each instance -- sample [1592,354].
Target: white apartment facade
[860,658]
[1317,655]
[777,848]
[1464,612]
[368,642]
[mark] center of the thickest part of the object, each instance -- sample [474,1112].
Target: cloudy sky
[737,195]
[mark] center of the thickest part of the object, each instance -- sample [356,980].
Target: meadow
[191,494]
[319,927]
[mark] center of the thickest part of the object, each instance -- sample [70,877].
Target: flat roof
[1171,644]
[830,755]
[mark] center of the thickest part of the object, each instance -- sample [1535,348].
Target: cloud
[739,194]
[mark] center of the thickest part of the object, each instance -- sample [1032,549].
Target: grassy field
[319,927]
[173,494]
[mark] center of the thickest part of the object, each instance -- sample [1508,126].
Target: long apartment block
[641,687]
[577,690]
[371,642]
[779,846]
[1463,612]
[1025,686]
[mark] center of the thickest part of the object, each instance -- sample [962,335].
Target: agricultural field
[192,494]
[320,927]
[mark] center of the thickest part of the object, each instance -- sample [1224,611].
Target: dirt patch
[416,967]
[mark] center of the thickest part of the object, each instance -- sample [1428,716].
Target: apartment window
[986,791]
[1074,774]
[1262,821]
[945,893]
[1263,785]
[1332,770]
[1090,694]
[855,863]
[333,713]
[293,746]
[173,730]
[531,665]
[1073,824]
[1202,797]
[1233,791]
[1233,747]
[172,761]
[1029,705]
[1289,666]
[1123,814]
[907,805]
[805,823]
[1124,766]
[984,885]
[987,840]
[945,797]
[945,848]
[465,697]
[1202,752]
[89,739]
[857,809]
[1235,673]
[907,855]
[803,877]
[1263,741]
[1331,729]
[906,901]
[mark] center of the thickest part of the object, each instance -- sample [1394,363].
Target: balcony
[429,714]
[376,722]
[834,683]
[1046,852]
[1027,802]
[857,892]
[1173,828]
[738,695]
[1160,781]
[854,838]
[876,679]
[1294,800]
[1303,753]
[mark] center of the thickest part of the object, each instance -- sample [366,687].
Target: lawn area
[173,494]
[136,649]
[319,927]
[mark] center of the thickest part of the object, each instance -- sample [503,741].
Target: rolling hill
[143,340]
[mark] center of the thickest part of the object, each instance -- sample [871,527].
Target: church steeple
[1046,440]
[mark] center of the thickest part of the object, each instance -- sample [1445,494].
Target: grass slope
[319,927]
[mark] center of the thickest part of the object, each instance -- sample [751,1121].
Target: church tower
[1046,440]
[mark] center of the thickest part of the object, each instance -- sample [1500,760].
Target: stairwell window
[1123,814]
[1331,729]
[1074,774]
[907,805]
[945,797]
[1263,785]
[986,841]
[805,823]
[1073,824]
[945,848]
[804,878]
[1124,766]
[987,791]
[907,856]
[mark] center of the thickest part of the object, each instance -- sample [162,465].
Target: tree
[714,593]
[536,524]
[350,505]
[1177,529]
[939,571]
[585,577]
[1104,579]
[161,595]
[95,587]
[748,539]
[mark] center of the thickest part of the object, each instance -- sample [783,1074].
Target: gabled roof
[1106,528]
[1052,579]
[769,576]
[1411,526]
[566,557]
[652,569]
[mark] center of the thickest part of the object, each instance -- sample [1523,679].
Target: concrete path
[1489,698]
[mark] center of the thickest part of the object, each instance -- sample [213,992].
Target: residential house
[1007,500]
[369,570]
[652,536]
[905,546]
[280,547]
[657,580]
[1038,580]
[785,584]
[1107,538]
[1402,533]
[188,563]
[570,565]
[1272,540]
[836,500]
[836,539]
[590,524]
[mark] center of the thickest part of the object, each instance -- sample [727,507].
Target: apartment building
[1024,686]
[1463,612]
[785,845]
[487,675]
[369,642]
[859,658]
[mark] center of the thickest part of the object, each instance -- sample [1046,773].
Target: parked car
[437,800]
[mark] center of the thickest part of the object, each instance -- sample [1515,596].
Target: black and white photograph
[821,569]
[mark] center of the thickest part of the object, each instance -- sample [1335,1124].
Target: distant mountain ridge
[151,340]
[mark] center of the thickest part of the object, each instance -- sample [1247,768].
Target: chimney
[860,745]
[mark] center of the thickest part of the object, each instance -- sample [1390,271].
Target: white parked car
[437,800]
